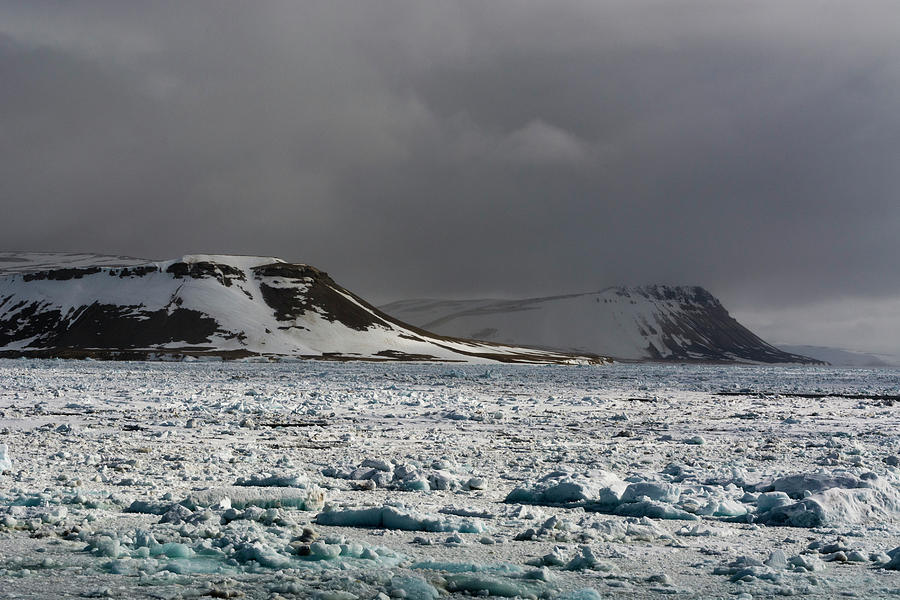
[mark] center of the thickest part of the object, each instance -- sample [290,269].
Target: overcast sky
[467,149]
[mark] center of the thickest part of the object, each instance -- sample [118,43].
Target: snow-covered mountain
[637,323]
[211,304]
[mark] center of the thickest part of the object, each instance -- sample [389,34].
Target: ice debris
[412,588]
[746,569]
[827,500]
[488,585]
[586,559]
[407,476]
[563,487]
[602,491]
[269,480]
[239,545]
[5,461]
[309,498]
[894,563]
[801,500]
[582,594]
[504,580]
[392,517]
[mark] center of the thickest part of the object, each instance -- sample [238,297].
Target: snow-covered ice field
[356,480]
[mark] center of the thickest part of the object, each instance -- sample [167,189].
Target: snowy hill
[640,323]
[210,304]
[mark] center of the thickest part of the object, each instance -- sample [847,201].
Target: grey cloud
[467,148]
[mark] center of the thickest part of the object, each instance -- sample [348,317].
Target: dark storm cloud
[468,148]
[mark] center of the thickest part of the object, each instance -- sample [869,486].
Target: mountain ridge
[651,322]
[220,305]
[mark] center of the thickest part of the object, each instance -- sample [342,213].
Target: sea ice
[408,476]
[602,491]
[894,563]
[540,437]
[269,480]
[829,500]
[582,594]
[562,487]
[5,461]
[661,492]
[391,517]
[412,588]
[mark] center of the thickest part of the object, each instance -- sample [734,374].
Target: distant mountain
[843,358]
[229,306]
[637,323]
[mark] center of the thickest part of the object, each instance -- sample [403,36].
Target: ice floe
[392,517]
[345,481]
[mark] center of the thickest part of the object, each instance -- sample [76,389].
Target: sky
[460,149]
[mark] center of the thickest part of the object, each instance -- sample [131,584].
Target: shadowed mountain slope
[229,306]
[639,323]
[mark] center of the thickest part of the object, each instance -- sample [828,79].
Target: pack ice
[423,481]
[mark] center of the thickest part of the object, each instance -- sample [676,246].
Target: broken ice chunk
[662,492]
[5,462]
[560,487]
[586,559]
[413,588]
[390,517]
[269,480]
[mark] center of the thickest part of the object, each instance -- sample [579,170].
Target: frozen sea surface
[357,480]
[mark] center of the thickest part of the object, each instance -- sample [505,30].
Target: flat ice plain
[355,480]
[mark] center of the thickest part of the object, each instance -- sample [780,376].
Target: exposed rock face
[224,305]
[641,323]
